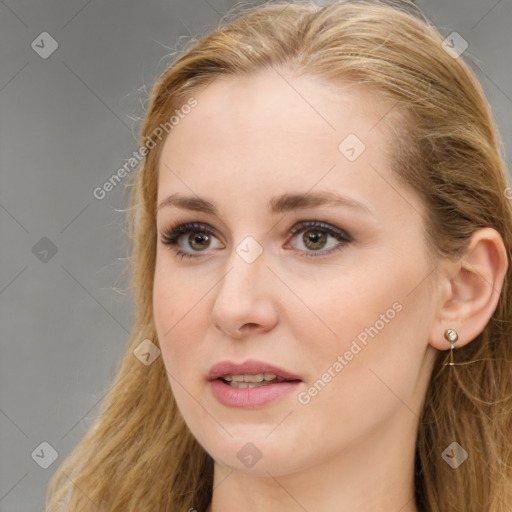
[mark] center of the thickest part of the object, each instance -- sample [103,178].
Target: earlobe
[475,290]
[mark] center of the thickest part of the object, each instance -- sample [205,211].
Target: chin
[258,454]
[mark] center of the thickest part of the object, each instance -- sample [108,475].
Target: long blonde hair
[139,456]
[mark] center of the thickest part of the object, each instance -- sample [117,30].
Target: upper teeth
[260,377]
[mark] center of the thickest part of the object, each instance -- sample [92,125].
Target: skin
[353,444]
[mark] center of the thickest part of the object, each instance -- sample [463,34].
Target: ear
[472,287]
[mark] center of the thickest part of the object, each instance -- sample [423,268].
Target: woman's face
[345,305]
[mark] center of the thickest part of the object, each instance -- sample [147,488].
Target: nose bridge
[246,266]
[242,296]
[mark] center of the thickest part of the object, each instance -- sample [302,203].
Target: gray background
[67,123]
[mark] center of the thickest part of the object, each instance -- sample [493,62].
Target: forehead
[269,104]
[272,133]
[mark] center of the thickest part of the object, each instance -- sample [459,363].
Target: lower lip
[250,397]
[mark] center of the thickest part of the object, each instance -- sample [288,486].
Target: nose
[245,300]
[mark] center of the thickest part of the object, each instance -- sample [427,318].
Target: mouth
[249,372]
[250,384]
[248,381]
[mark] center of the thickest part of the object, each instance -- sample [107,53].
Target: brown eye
[198,241]
[314,239]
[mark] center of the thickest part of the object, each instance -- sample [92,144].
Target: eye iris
[198,238]
[318,238]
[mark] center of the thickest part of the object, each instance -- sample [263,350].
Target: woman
[322,232]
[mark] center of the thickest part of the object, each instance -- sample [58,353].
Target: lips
[235,394]
[249,367]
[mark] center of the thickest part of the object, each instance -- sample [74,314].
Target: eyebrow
[278,204]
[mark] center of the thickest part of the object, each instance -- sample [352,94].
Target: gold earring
[451,336]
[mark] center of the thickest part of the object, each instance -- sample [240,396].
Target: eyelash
[172,235]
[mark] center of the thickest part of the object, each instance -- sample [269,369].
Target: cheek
[174,298]
[334,310]
[357,326]
[170,307]
[181,322]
